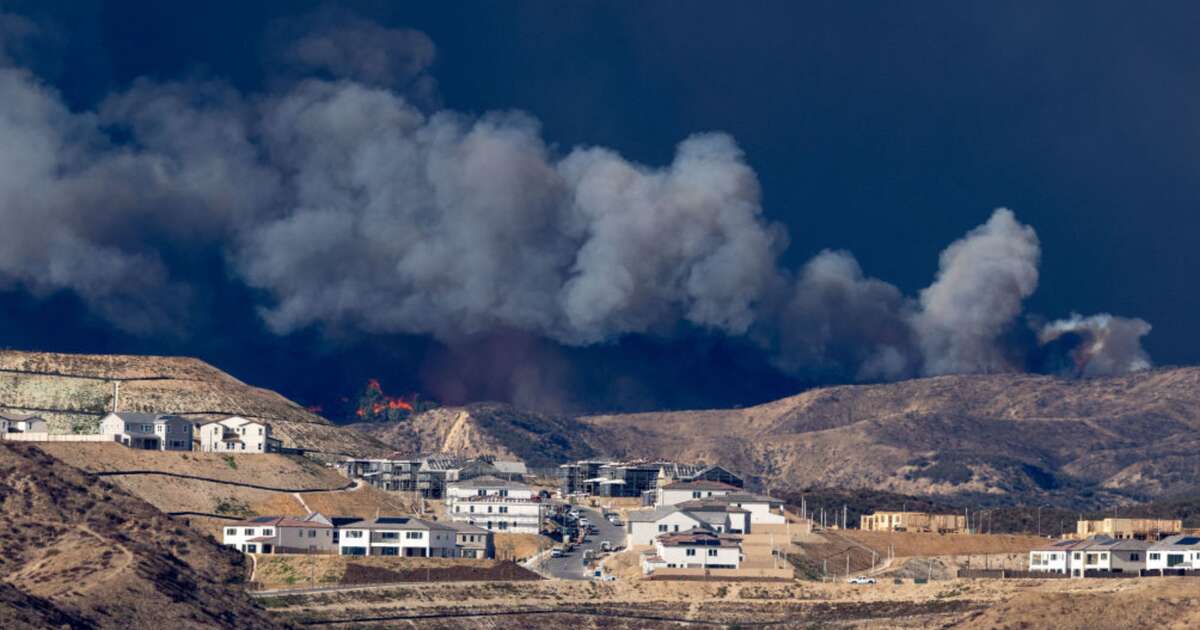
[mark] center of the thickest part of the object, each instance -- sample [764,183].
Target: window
[267,531]
[389,535]
[312,533]
[504,509]
[1135,556]
[662,528]
[231,531]
[354,551]
[1155,556]
[389,551]
[504,524]
[1104,556]
[695,494]
[354,533]
[249,531]
[414,535]
[712,553]
[504,493]
[251,548]
[691,552]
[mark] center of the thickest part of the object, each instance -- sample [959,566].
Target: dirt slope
[490,428]
[80,551]
[72,391]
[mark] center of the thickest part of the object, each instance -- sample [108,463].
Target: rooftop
[697,538]
[490,482]
[701,484]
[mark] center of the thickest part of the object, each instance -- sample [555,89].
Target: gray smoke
[350,208]
[1108,344]
[982,280]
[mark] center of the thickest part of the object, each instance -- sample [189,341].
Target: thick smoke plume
[351,208]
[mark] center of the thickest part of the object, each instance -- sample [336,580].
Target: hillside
[1091,441]
[490,428]
[72,391]
[80,552]
[988,439]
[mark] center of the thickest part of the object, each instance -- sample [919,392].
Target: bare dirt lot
[1069,604]
[300,571]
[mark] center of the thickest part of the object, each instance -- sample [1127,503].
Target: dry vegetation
[79,551]
[298,571]
[1030,604]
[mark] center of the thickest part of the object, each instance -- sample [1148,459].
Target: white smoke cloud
[349,207]
[1108,344]
[982,280]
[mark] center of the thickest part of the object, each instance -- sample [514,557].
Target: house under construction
[1129,528]
[914,522]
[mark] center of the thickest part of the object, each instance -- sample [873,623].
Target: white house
[237,435]
[149,431]
[281,534]
[487,486]
[1054,557]
[681,491]
[643,526]
[19,423]
[500,514]
[1174,552]
[398,536]
[496,505]
[693,549]
[763,510]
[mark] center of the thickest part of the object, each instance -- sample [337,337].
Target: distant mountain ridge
[1004,438]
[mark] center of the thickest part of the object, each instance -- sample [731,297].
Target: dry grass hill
[1077,443]
[82,553]
[72,391]
[491,428]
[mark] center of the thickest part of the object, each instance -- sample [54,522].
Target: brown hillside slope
[1003,435]
[79,551]
[490,429]
[72,391]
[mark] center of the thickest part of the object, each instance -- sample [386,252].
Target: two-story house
[148,431]
[237,435]
[398,536]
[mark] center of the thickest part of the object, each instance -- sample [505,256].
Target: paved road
[570,566]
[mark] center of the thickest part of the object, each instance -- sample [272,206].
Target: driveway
[570,566]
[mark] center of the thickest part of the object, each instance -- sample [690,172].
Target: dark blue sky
[888,129]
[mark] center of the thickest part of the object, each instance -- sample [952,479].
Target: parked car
[600,576]
[861,579]
[605,546]
[556,553]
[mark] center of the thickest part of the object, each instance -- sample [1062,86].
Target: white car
[860,579]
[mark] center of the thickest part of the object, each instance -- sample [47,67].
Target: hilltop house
[496,505]
[314,533]
[1054,557]
[20,423]
[237,435]
[149,431]
[398,536]
[693,549]
[763,510]
[1174,552]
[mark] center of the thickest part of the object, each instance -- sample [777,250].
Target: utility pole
[847,564]
[844,514]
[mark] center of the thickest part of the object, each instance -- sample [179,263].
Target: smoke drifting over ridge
[350,207]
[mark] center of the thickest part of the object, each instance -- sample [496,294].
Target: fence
[722,574]
[1003,574]
[56,437]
